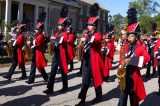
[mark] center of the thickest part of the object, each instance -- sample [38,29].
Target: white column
[36,13]
[46,20]
[20,11]
[8,12]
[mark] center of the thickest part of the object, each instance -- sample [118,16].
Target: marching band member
[60,54]
[70,42]
[152,43]
[81,43]
[137,56]
[18,54]
[38,59]
[157,56]
[93,66]
[108,50]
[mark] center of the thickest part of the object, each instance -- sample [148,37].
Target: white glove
[32,47]
[34,43]
[23,48]
[14,43]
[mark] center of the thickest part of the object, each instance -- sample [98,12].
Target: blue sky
[117,6]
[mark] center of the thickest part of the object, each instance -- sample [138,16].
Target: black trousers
[71,64]
[124,97]
[33,69]
[80,71]
[129,90]
[56,61]
[150,63]
[15,63]
[86,80]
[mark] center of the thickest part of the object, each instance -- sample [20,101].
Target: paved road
[17,93]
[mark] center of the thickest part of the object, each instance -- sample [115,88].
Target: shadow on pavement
[18,90]
[151,100]
[34,100]
[114,93]
[111,78]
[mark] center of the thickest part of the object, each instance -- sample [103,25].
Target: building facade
[84,14]
[30,10]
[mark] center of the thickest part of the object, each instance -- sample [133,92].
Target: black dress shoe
[30,82]
[153,74]
[79,73]
[96,100]
[48,91]
[7,77]
[23,77]
[148,76]
[81,103]
[46,80]
[70,70]
[63,90]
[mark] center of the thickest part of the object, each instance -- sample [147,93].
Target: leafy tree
[145,7]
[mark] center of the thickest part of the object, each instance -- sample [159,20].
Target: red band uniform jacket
[70,47]
[139,58]
[21,54]
[40,59]
[63,50]
[99,72]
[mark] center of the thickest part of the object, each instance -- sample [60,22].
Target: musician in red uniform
[85,34]
[108,49]
[144,40]
[93,66]
[18,54]
[152,43]
[60,54]
[38,59]
[70,42]
[136,57]
[157,56]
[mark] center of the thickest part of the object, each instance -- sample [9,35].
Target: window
[81,11]
[88,7]
[80,24]
[104,15]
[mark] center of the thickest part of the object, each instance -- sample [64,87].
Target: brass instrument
[50,48]
[8,48]
[80,50]
[27,50]
[121,72]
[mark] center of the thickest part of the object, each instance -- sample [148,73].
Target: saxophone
[50,48]
[121,72]
[80,50]
[8,48]
[27,48]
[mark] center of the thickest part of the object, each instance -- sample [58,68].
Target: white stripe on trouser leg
[140,62]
